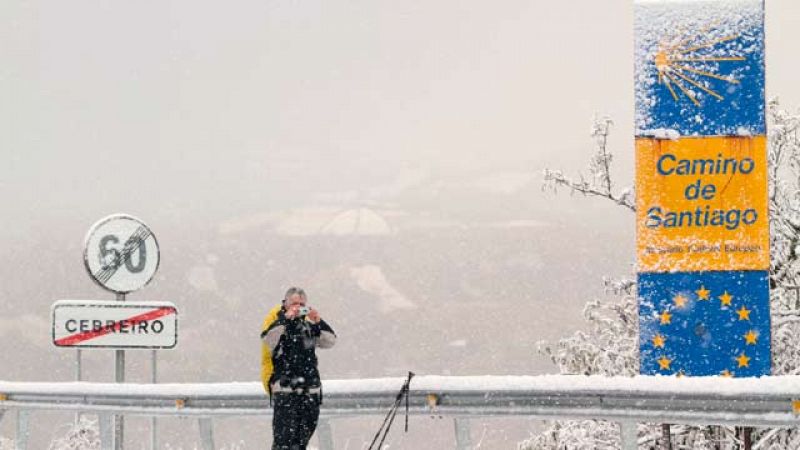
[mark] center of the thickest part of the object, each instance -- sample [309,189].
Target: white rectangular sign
[114,324]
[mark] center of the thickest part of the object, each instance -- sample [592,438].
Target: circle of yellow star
[743,360]
[726,299]
[751,338]
[666,318]
[664,363]
[744,313]
[658,341]
[702,293]
[680,301]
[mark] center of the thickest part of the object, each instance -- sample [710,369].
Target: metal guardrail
[768,401]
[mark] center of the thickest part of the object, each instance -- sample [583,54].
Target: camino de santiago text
[702,215]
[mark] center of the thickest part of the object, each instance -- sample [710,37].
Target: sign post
[154,380]
[702,227]
[121,255]
[115,325]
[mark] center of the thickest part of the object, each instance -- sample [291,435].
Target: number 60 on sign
[121,253]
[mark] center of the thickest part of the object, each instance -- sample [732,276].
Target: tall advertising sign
[702,225]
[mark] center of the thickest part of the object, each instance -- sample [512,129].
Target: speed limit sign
[121,253]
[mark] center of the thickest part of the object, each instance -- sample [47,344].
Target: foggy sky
[182,110]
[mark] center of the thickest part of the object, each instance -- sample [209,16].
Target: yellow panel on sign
[702,204]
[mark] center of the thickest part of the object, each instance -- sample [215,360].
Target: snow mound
[360,222]
[371,279]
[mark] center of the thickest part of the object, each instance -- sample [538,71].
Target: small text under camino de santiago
[702,248]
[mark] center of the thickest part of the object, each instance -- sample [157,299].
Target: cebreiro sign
[702,225]
[121,253]
[112,324]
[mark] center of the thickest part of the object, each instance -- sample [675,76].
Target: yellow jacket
[266,357]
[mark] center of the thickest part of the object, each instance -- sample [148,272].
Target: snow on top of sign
[779,385]
[691,24]
[660,133]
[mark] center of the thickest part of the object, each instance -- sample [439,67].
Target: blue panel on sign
[704,323]
[700,68]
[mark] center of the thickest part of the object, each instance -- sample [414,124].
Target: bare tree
[610,346]
[599,183]
[84,434]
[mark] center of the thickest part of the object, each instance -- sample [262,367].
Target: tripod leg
[385,420]
[386,431]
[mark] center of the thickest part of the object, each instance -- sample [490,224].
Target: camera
[303,311]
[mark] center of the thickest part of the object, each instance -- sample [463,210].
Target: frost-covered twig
[784,193]
[600,184]
[82,435]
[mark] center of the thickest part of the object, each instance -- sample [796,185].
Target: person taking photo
[291,336]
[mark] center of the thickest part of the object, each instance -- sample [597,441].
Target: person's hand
[292,311]
[313,316]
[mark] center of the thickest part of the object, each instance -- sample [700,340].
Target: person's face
[295,301]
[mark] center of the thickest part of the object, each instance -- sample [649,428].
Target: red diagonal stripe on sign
[86,335]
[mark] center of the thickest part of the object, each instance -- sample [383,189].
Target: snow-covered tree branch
[610,345]
[599,183]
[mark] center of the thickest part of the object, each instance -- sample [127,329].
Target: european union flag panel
[704,323]
[699,68]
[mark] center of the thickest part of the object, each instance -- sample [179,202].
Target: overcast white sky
[183,110]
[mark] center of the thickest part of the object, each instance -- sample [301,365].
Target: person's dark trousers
[294,420]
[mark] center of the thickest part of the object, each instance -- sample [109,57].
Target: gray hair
[295,290]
